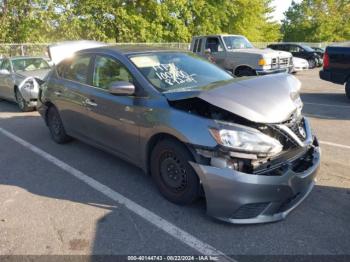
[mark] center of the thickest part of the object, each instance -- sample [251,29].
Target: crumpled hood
[40,74]
[264,99]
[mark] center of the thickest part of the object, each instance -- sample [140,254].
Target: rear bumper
[336,78]
[324,75]
[242,198]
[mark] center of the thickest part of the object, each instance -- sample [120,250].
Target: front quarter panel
[158,117]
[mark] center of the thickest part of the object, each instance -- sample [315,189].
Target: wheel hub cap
[173,173]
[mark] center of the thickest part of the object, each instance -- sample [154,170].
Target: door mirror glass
[4,72]
[121,88]
[207,51]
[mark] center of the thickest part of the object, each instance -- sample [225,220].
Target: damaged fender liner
[202,108]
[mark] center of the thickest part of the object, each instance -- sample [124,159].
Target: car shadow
[326,205]
[334,106]
[8,106]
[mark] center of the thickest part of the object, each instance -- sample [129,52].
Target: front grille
[280,62]
[250,210]
[284,62]
[303,163]
[298,128]
[276,133]
[274,63]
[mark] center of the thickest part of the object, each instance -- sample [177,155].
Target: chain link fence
[31,49]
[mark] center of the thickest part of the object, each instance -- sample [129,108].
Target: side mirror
[121,88]
[207,51]
[4,72]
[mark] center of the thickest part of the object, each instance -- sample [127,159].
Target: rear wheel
[172,173]
[21,102]
[56,127]
[245,71]
[347,89]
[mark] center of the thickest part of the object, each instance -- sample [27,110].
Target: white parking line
[329,105]
[319,116]
[334,144]
[149,216]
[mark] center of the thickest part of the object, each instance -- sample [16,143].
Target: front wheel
[172,173]
[245,72]
[21,102]
[347,89]
[312,63]
[56,127]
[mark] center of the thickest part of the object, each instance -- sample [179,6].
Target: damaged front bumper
[242,198]
[29,89]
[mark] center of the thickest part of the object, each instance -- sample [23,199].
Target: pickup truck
[336,66]
[236,54]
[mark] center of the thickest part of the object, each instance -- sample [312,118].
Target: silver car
[243,144]
[20,78]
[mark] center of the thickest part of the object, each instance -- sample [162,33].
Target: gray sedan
[20,78]
[240,143]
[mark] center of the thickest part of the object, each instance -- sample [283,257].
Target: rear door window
[199,47]
[294,49]
[6,65]
[195,46]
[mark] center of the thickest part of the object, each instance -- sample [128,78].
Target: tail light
[326,60]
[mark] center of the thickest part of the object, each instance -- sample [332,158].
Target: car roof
[218,35]
[133,49]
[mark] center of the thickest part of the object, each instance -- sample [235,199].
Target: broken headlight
[247,140]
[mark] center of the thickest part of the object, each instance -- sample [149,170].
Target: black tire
[22,104]
[173,175]
[312,63]
[245,72]
[347,89]
[56,127]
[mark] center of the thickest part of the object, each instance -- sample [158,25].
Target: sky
[281,7]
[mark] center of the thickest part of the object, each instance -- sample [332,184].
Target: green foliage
[133,20]
[317,21]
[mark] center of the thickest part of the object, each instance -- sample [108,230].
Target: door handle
[88,102]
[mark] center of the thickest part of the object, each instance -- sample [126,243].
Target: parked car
[242,143]
[20,78]
[301,51]
[299,64]
[319,50]
[336,66]
[236,54]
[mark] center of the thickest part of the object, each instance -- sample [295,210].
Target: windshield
[29,64]
[307,48]
[237,42]
[174,71]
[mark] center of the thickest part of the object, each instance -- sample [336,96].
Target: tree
[317,21]
[133,20]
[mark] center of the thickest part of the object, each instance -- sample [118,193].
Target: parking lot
[75,199]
